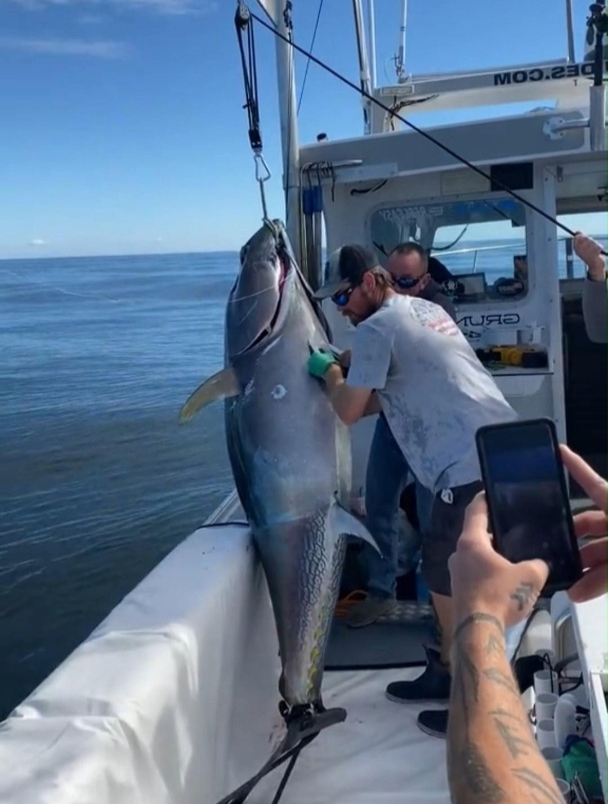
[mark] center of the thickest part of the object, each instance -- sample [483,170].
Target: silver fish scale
[289,453]
[323,553]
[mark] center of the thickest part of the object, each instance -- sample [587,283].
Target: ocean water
[98,482]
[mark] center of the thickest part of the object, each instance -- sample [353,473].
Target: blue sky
[123,129]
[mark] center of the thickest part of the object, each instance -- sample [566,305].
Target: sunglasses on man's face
[406,282]
[341,297]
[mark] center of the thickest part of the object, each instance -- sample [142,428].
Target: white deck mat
[378,756]
[172,691]
[173,700]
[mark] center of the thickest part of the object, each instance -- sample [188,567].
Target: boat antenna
[495,182]
[242,21]
[597,28]
[400,57]
[570,32]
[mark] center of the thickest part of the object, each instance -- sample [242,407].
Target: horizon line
[596,236]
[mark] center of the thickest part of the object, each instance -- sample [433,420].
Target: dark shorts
[439,541]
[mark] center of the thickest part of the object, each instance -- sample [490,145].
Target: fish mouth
[283,270]
[268,285]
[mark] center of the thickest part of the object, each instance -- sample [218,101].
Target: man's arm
[492,754]
[593,524]
[373,405]
[595,309]
[368,366]
[595,291]
[350,403]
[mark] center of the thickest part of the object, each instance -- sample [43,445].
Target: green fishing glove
[319,362]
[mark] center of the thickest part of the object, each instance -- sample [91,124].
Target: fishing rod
[415,128]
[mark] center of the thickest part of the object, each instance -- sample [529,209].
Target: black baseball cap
[346,265]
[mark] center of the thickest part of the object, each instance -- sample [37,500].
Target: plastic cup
[553,758]
[545,734]
[564,789]
[545,681]
[544,706]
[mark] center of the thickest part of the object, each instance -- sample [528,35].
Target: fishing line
[311,48]
[415,128]
[28,280]
[271,286]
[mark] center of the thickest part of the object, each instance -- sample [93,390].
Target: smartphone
[527,496]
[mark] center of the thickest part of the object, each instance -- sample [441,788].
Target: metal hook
[260,164]
[262,174]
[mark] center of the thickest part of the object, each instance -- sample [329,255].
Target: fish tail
[308,719]
[304,724]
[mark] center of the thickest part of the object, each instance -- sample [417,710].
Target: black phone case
[577,570]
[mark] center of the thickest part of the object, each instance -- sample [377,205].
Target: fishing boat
[172,699]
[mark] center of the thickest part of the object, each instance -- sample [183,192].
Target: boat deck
[173,700]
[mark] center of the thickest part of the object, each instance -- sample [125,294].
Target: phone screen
[527,497]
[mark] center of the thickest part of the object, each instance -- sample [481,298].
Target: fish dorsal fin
[222,385]
[343,523]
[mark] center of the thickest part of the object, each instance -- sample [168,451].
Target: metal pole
[402,42]
[371,16]
[289,129]
[570,31]
[597,93]
[363,65]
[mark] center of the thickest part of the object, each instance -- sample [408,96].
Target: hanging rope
[242,21]
[250,73]
[289,771]
[419,131]
[311,48]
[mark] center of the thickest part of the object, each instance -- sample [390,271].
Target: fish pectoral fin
[343,522]
[222,385]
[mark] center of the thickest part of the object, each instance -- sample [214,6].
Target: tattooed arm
[492,754]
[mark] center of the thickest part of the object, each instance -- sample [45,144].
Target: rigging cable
[242,21]
[311,48]
[418,130]
[287,19]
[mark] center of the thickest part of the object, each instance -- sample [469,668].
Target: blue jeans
[387,472]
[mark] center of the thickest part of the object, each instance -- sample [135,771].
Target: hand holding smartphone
[527,496]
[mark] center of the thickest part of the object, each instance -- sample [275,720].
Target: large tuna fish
[290,456]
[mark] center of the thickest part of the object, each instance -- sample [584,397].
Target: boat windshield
[481,242]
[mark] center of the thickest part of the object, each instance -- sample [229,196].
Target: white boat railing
[574,267]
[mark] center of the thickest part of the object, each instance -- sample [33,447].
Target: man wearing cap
[410,360]
[387,469]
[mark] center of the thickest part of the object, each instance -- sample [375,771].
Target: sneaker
[432,685]
[433,722]
[369,611]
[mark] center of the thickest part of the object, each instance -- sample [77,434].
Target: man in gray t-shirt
[387,468]
[410,361]
[433,389]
